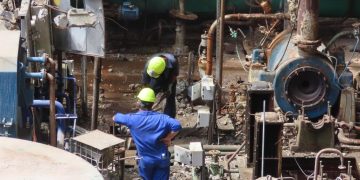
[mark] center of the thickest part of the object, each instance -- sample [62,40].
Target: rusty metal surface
[308,24]
[9,50]
[85,41]
[21,159]
[99,140]
[184,16]
[237,17]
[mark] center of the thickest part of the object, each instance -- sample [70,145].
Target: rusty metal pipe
[96,85]
[348,126]
[227,161]
[345,140]
[231,17]
[52,120]
[51,78]
[307,20]
[327,150]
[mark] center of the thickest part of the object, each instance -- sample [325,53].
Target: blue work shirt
[161,84]
[147,129]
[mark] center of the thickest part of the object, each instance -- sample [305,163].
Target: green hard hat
[147,95]
[156,66]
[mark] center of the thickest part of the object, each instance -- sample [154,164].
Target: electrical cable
[122,27]
[352,55]
[238,55]
[286,47]
[291,33]
[307,176]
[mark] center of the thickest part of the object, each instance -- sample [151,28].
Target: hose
[337,36]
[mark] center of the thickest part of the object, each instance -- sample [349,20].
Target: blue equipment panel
[8,82]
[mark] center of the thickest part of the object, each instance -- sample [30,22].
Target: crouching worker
[152,133]
[160,74]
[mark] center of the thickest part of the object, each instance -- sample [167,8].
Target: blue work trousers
[154,171]
[170,106]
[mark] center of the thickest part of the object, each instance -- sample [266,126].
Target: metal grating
[106,159]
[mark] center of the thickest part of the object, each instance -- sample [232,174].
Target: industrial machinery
[301,98]
[38,94]
[296,83]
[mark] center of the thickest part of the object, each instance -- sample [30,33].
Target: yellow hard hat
[57,2]
[156,66]
[147,95]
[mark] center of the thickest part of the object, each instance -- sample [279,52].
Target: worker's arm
[120,118]
[167,139]
[174,127]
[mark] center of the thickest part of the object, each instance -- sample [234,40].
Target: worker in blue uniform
[152,133]
[160,74]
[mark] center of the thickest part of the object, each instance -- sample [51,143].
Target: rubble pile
[8,15]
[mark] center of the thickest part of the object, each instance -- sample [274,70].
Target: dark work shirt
[161,84]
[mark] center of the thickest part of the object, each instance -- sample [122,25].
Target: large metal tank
[21,159]
[328,8]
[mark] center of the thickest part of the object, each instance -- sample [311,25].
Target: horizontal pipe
[66,117]
[351,147]
[232,17]
[207,153]
[46,104]
[36,59]
[348,126]
[289,124]
[36,75]
[211,147]
[345,140]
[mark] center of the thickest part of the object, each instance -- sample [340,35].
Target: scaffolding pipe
[231,17]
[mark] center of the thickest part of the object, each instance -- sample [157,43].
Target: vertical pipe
[182,6]
[52,120]
[60,79]
[220,43]
[122,165]
[263,141]
[96,83]
[307,21]
[84,85]
[220,51]
[52,91]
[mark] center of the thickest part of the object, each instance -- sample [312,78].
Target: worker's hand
[166,141]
